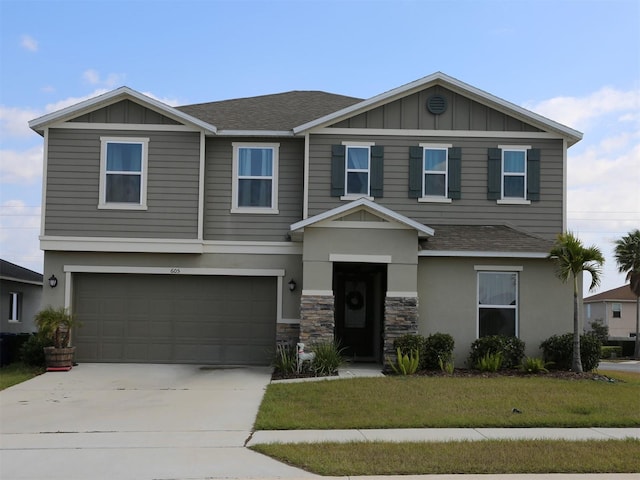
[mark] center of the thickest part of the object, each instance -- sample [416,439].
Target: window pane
[435,160]
[254,193]
[497,288]
[497,321]
[358,158]
[514,186]
[123,188]
[255,162]
[434,185]
[514,162]
[124,157]
[358,182]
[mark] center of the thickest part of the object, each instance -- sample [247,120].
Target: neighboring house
[616,309]
[206,233]
[21,294]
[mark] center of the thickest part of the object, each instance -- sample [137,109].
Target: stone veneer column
[316,319]
[400,318]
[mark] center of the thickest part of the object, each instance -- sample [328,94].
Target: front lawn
[15,373]
[483,457]
[439,402]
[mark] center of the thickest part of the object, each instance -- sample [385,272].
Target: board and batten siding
[73,179]
[125,111]
[221,224]
[543,217]
[410,112]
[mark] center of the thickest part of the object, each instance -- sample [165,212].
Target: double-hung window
[357,170]
[616,310]
[514,173]
[497,303]
[123,173]
[255,178]
[435,172]
[15,306]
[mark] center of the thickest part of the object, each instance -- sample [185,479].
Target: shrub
[285,361]
[533,365]
[511,349]
[559,350]
[405,364]
[409,343]
[32,351]
[600,330]
[610,352]
[446,366]
[328,358]
[490,362]
[438,348]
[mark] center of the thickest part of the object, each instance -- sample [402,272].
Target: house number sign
[174,270]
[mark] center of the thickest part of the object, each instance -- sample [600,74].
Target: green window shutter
[533,174]
[494,174]
[377,171]
[337,170]
[416,170]
[455,173]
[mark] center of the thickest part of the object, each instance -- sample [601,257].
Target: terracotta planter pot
[59,357]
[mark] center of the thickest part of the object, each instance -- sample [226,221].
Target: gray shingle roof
[279,112]
[12,271]
[484,238]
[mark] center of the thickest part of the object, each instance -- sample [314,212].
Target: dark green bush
[286,360]
[411,343]
[610,352]
[559,350]
[328,358]
[438,347]
[511,349]
[31,351]
[600,330]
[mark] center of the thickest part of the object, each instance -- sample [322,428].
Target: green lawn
[17,373]
[438,402]
[484,457]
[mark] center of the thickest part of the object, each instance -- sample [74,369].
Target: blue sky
[576,62]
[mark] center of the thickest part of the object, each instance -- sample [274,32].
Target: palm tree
[571,259]
[627,253]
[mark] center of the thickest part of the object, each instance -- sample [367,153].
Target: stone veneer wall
[400,318]
[287,333]
[317,322]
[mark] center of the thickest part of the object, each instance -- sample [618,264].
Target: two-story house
[206,233]
[615,308]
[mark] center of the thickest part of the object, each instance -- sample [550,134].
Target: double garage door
[175,319]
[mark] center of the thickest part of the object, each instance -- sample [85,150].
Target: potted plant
[55,324]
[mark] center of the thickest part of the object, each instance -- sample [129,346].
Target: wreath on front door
[354,300]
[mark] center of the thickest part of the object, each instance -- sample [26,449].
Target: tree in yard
[627,253]
[571,259]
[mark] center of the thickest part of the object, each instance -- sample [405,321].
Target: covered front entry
[360,290]
[175,318]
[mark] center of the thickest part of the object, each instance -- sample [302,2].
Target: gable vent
[437,104]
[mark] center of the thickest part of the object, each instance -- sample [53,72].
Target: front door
[359,290]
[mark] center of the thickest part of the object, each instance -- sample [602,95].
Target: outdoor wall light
[53,281]
[292,285]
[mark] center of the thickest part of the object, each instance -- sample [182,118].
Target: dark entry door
[359,290]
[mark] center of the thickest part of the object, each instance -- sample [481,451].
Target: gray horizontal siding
[543,218]
[73,179]
[125,111]
[221,224]
[410,112]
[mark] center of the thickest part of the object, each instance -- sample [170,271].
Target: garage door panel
[175,319]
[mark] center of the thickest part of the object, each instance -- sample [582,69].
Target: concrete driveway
[132,421]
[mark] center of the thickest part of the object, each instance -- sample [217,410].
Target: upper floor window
[497,303]
[514,174]
[434,172]
[123,173]
[357,170]
[616,310]
[15,306]
[255,178]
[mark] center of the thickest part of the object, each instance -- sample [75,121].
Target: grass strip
[15,373]
[480,457]
[440,402]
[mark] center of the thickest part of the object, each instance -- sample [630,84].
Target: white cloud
[21,166]
[93,77]
[29,43]
[19,229]
[14,121]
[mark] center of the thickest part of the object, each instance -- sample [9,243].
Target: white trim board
[175,270]
[480,254]
[339,257]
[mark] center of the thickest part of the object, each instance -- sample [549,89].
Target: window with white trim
[15,306]
[357,178]
[123,173]
[434,183]
[497,303]
[514,173]
[255,178]
[616,310]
